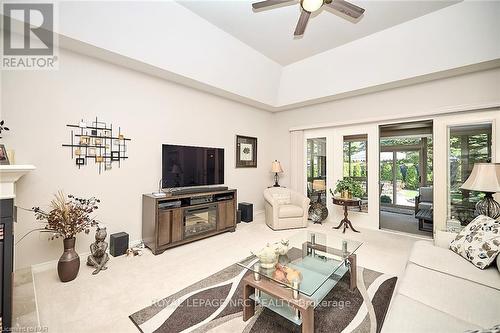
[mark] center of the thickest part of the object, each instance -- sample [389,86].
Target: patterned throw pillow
[479,242]
[282,198]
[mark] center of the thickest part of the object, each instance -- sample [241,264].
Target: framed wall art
[4,158]
[246,152]
[98,142]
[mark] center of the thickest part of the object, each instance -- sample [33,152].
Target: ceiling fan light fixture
[311,5]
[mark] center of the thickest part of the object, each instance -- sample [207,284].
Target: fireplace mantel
[9,175]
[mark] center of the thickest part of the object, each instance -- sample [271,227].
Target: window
[356,165]
[316,170]
[468,145]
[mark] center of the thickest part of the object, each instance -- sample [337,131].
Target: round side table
[346,203]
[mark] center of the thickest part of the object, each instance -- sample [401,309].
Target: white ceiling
[271,31]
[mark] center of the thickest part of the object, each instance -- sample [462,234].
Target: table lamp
[276,168]
[317,211]
[485,177]
[319,185]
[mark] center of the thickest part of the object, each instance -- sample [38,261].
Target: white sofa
[285,209]
[442,292]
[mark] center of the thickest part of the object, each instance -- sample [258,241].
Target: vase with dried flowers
[68,216]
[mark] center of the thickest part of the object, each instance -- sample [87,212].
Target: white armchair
[285,209]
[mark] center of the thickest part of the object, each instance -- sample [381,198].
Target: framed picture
[246,152]
[80,161]
[4,159]
[91,152]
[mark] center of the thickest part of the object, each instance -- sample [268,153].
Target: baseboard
[52,264]
[258,212]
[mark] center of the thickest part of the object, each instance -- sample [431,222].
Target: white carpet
[102,303]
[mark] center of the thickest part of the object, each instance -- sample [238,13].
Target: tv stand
[183,218]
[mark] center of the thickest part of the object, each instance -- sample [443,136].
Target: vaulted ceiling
[225,48]
[271,31]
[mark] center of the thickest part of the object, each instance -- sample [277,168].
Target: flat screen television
[184,166]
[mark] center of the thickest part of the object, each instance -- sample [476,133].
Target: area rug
[213,302]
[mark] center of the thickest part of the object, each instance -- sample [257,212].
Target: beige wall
[363,114]
[150,111]
[401,103]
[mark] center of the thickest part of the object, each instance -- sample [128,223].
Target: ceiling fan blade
[346,8]
[268,3]
[301,25]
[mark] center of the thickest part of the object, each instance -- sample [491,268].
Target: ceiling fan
[310,6]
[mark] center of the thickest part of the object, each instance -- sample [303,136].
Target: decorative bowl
[268,257]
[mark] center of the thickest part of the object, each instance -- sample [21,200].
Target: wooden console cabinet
[179,219]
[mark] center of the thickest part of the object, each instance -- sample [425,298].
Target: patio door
[406,169]
[400,171]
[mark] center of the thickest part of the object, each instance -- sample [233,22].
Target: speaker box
[118,244]
[246,211]
[238,216]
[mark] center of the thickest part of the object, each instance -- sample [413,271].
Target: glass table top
[320,261]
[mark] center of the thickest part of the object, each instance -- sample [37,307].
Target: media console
[183,218]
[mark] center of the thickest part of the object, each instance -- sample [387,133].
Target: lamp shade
[485,177]
[276,167]
[319,185]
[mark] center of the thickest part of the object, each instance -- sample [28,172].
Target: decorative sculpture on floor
[99,257]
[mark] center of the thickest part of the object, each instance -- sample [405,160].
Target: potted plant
[68,217]
[347,188]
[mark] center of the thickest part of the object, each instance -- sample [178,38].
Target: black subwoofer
[118,244]
[246,211]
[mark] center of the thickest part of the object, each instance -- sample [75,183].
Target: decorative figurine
[99,257]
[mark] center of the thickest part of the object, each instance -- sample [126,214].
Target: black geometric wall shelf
[98,143]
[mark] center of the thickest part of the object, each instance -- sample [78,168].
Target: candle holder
[256,273]
[344,248]
[295,289]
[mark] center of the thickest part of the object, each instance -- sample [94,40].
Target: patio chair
[424,207]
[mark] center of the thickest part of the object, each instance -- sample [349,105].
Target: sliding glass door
[355,155]
[468,144]
[316,170]
[406,177]
[402,172]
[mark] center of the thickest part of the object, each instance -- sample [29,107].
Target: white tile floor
[102,303]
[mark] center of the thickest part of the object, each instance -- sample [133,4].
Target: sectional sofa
[442,292]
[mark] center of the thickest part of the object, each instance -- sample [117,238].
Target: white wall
[396,105]
[401,103]
[455,36]
[151,111]
[174,39]
[167,39]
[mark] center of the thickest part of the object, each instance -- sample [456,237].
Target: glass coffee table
[321,260]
